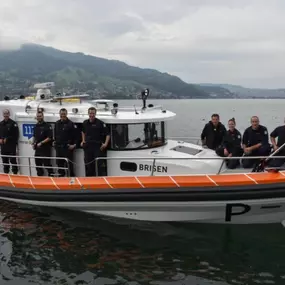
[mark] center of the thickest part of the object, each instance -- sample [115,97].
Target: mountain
[77,72]
[242,92]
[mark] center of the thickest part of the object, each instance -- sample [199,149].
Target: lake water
[52,246]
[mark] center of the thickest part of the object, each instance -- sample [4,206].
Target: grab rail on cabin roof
[196,140]
[154,159]
[30,166]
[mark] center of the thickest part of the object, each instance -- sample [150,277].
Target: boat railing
[195,140]
[30,166]
[129,158]
[155,159]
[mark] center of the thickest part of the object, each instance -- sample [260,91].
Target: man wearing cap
[9,135]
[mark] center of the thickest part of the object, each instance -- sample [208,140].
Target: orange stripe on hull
[93,183]
[124,182]
[96,183]
[21,181]
[267,178]
[193,181]
[43,183]
[5,181]
[64,183]
[157,181]
[231,180]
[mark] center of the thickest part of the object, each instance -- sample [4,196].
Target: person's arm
[225,140]
[273,137]
[265,138]
[239,139]
[245,139]
[224,131]
[256,146]
[73,141]
[223,136]
[204,134]
[32,139]
[83,134]
[107,136]
[1,134]
[17,133]
[55,133]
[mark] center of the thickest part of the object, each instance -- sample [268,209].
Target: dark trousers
[7,160]
[91,152]
[64,152]
[44,162]
[262,151]
[231,163]
[277,162]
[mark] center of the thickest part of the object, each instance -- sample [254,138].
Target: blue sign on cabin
[28,130]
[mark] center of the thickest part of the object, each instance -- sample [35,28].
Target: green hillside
[76,72]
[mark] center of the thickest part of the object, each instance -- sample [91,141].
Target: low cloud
[9,43]
[221,41]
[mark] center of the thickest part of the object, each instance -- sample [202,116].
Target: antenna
[145,94]
[136,112]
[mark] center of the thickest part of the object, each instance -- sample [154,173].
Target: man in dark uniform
[42,144]
[255,142]
[65,142]
[95,140]
[213,133]
[279,133]
[9,135]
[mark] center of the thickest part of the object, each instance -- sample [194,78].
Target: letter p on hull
[231,211]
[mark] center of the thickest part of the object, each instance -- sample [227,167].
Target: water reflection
[62,247]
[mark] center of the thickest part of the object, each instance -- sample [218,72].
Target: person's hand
[247,150]
[226,153]
[71,146]
[103,146]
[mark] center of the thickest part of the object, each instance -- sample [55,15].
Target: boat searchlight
[74,110]
[114,111]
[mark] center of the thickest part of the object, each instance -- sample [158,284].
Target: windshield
[137,136]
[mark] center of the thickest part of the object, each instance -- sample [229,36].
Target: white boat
[149,176]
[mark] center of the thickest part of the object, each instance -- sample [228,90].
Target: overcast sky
[216,41]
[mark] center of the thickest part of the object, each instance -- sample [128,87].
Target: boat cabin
[139,144]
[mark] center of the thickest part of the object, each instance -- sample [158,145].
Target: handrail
[154,159]
[30,166]
[197,139]
[189,158]
[184,138]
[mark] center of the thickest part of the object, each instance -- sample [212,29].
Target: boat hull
[236,205]
[226,212]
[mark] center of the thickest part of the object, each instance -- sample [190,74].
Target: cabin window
[128,166]
[137,136]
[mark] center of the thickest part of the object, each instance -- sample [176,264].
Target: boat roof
[108,111]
